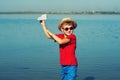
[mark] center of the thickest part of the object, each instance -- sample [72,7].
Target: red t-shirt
[67,51]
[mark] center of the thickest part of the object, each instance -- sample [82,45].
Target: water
[26,54]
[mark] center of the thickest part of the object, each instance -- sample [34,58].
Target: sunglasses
[66,29]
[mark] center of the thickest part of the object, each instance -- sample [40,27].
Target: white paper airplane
[42,17]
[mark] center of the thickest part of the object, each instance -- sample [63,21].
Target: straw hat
[67,20]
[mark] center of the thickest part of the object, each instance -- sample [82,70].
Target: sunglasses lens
[66,29]
[71,28]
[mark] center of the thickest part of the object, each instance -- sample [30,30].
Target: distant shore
[87,12]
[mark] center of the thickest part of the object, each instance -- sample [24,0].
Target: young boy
[67,47]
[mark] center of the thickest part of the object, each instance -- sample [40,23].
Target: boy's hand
[40,21]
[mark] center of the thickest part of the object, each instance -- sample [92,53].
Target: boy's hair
[67,21]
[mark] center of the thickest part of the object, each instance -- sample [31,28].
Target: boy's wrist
[42,23]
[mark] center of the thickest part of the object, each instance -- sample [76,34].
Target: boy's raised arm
[51,35]
[42,22]
[57,39]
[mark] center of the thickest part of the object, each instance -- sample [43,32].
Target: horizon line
[59,12]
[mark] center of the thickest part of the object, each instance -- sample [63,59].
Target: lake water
[26,54]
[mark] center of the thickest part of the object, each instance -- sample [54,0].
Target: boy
[67,47]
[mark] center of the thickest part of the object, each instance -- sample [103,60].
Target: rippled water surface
[26,54]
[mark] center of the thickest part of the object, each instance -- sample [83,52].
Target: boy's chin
[68,34]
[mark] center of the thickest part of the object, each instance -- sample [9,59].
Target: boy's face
[67,29]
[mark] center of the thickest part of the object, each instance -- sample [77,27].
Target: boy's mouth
[68,33]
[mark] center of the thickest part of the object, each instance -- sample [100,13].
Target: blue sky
[59,5]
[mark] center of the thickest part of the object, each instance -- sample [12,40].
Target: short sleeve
[72,36]
[60,36]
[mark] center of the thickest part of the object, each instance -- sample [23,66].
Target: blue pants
[69,72]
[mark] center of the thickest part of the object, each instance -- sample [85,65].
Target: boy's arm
[45,28]
[57,39]
[53,36]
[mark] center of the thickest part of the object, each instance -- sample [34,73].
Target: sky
[59,5]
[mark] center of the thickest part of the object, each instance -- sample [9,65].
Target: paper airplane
[42,17]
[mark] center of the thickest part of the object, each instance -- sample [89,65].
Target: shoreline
[90,12]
